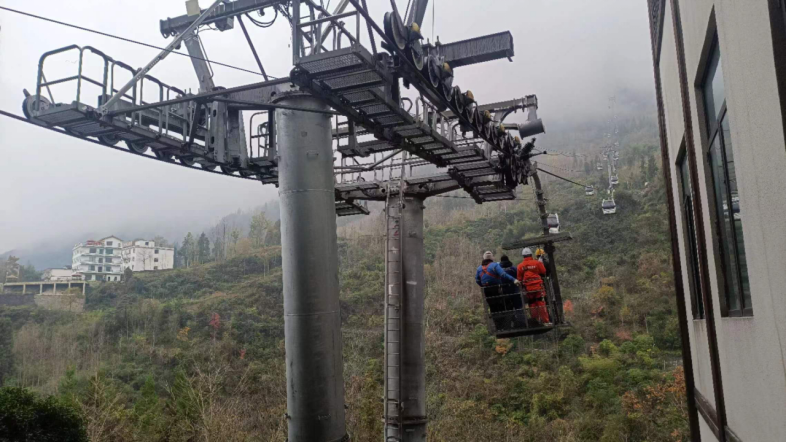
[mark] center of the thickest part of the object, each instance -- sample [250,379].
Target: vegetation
[197,354]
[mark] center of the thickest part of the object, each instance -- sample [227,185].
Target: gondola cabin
[512,311]
[553,222]
[589,191]
[609,207]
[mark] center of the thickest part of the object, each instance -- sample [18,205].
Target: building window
[100,260]
[155,259]
[92,250]
[689,235]
[736,299]
[92,268]
[156,251]
[155,267]
[147,243]
[110,251]
[109,243]
[100,269]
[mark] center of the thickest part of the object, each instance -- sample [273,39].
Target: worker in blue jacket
[490,273]
[494,280]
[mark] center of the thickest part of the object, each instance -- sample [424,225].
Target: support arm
[202,69]
[417,13]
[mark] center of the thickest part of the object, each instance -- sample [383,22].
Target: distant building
[142,255]
[63,274]
[720,76]
[98,260]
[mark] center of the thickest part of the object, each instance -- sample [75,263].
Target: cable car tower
[339,130]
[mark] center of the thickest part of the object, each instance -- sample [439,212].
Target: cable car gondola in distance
[553,222]
[609,207]
[507,313]
[589,191]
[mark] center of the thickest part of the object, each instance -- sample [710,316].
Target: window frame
[722,247]
[690,236]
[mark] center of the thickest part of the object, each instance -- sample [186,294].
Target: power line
[564,179]
[562,168]
[128,40]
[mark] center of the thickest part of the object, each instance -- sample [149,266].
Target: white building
[98,260]
[720,77]
[140,255]
[58,275]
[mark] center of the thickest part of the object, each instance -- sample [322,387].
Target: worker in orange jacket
[530,273]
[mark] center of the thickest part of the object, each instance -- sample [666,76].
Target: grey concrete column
[312,321]
[413,372]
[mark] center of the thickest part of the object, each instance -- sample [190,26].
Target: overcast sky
[572,53]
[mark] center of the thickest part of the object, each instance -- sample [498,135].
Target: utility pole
[312,317]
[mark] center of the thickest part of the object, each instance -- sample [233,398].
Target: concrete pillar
[312,320]
[413,379]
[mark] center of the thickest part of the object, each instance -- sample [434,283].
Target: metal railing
[161,118]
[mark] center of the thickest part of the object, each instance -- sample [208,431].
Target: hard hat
[526,251]
[488,255]
[539,252]
[470,96]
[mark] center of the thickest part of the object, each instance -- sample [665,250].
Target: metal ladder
[394,312]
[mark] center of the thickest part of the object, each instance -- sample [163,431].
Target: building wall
[751,349]
[140,258]
[675,129]
[88,258]
[57,275]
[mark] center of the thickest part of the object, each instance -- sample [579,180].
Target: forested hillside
[197,353]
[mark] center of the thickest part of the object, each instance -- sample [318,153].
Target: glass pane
[736,213]
[693,248]
[714,89]
[724,224]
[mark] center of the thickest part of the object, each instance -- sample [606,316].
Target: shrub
[607,348]
[26,417]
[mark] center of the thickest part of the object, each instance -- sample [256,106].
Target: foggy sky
[572,53]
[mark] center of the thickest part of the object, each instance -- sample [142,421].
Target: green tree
[258,230]
[6,350]
[274,236]
[148,412]
[203,248]
[26,417]
[188,250]
[652,168]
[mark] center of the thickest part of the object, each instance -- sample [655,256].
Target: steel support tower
[312,319]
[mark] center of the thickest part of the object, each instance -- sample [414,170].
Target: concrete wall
[46,294]
[751,349]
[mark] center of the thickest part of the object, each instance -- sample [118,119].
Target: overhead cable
[128,40]
[564,179]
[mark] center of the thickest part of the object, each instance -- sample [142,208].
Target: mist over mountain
[57,251]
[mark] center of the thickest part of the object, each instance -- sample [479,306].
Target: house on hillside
[142,255]
[61,274]
[98,260]
[720,77]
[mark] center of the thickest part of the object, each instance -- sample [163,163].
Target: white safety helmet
[526,251]
[488,255]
